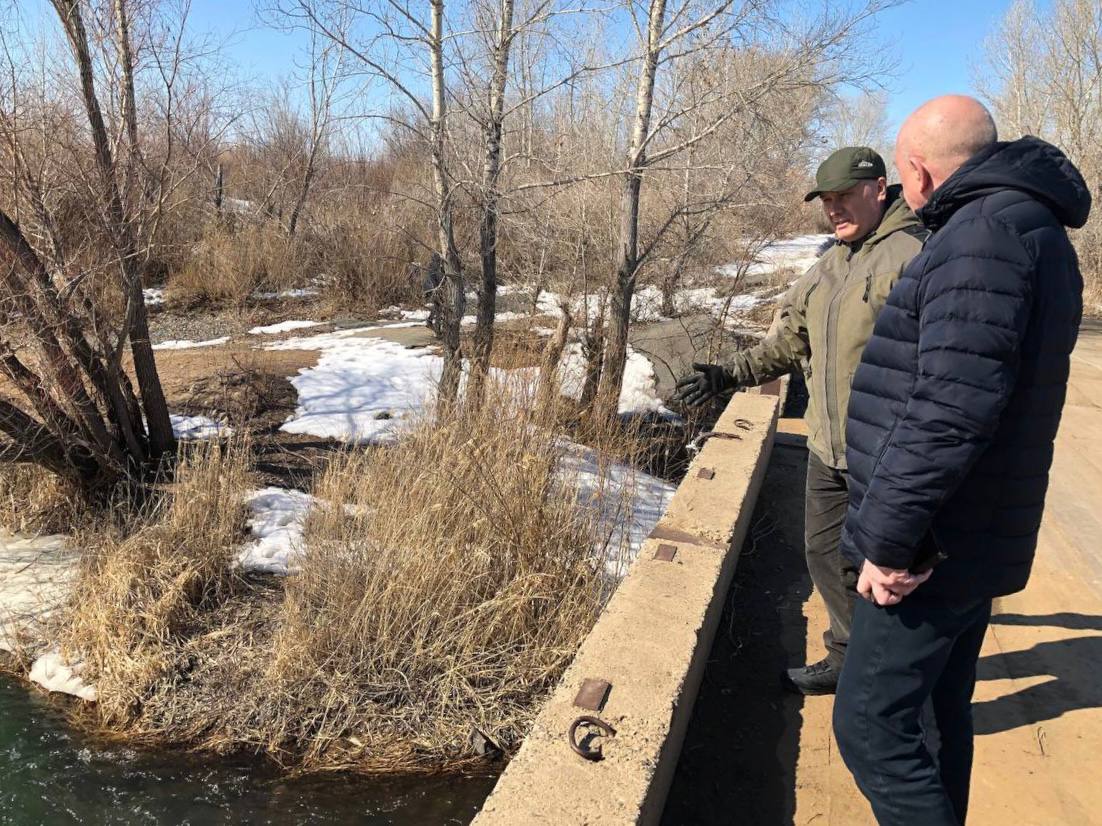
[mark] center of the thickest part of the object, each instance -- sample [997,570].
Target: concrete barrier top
[651,644]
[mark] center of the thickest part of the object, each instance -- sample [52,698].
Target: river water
[50,774]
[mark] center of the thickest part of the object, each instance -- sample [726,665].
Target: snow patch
[277,521]
[639,393]
[300,293]
[647,304]
[187,344]
[282,327]
[239,205]
[198,427]
[54,674]
[361,387]
[797,254]
[154,296]
[628,502]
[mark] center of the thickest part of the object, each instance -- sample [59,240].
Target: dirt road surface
[756,756]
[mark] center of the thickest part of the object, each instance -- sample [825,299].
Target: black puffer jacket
[956,403]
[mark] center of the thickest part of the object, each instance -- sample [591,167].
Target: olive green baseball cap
[845,168]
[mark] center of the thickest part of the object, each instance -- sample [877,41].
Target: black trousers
[835,578]
[903,662]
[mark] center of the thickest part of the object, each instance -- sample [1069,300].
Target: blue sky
[935,41]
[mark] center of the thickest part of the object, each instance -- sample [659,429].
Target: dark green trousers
[835,577]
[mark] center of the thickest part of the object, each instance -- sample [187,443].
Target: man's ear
[925,178]
[882,189]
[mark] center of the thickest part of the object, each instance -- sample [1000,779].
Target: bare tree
[1042,75]
[547,65]
[857,120]
[402,47]
[1008,73]
[74,408]
[323,75]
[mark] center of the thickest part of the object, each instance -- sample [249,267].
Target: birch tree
[497,26]
[401,48]
[492,122]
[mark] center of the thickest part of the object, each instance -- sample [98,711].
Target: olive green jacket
[825,320]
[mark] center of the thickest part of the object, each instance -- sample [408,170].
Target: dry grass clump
[445,585]
[149,583]
[368,265]
[232,262]
[359,264]
[440,602]
[35,501]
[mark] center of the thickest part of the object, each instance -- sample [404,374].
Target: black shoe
[817,678]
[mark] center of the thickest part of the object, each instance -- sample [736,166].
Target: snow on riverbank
[628,501]
[187,344]
[639,393]
[796,254]
[363,387]
[647,304]
[278,517]
[54,674]
[282,327]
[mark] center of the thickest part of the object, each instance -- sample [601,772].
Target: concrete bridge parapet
[651,644]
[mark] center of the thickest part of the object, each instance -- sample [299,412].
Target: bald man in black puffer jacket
[952,418]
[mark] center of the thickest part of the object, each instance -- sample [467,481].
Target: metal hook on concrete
[584,751]
[696,444]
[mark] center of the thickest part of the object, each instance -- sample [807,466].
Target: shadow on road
[1074,666]
[739,757]
[1064,619]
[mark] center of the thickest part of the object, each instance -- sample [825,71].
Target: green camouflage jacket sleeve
[784,349]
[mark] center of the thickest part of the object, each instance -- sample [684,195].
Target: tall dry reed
[441,595]
[151,579]
[446,582]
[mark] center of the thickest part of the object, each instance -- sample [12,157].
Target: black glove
[708,382]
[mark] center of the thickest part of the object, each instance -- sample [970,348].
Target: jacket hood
[1029,165]
[897,216]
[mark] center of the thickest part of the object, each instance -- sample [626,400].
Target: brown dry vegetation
[35,501]
[441,602]
[151,578]
[445,587]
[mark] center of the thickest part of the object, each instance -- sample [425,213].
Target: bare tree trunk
[303,191]
[552,357]
[627,263]
[487,235]
[161,438]
[593,348]
[219,190]
[454,297]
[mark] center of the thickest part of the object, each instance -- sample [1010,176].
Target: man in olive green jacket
[825,320]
